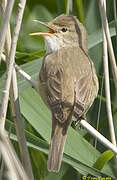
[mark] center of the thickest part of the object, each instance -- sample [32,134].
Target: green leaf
[39,144]
[103,159]
[80,10]
[96,37]
[59,175]
[38,163]
[76,146]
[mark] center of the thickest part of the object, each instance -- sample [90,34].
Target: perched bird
[67,81]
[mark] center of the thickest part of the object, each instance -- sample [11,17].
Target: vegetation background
[82,155]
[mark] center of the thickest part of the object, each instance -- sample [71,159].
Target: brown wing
[54,93]
[86,90]
[59,94]
[83,93]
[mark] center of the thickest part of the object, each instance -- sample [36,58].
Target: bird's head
[64,31]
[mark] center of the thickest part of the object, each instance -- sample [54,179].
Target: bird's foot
[77,122]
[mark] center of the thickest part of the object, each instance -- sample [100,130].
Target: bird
[67,81]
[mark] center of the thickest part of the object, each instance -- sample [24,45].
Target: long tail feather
[59,132]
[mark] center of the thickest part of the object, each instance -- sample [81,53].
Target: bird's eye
[64,29]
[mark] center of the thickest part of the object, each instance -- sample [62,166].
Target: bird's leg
[77,122]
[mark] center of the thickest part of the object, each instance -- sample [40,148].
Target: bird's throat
[52,43]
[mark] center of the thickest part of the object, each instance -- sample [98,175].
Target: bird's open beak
[52,31]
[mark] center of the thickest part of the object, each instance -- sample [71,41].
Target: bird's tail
[59,131]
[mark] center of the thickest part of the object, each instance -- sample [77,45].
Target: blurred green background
[80,151]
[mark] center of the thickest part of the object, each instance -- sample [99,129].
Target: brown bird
[67,81]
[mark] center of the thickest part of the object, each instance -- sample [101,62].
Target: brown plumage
[67,81]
